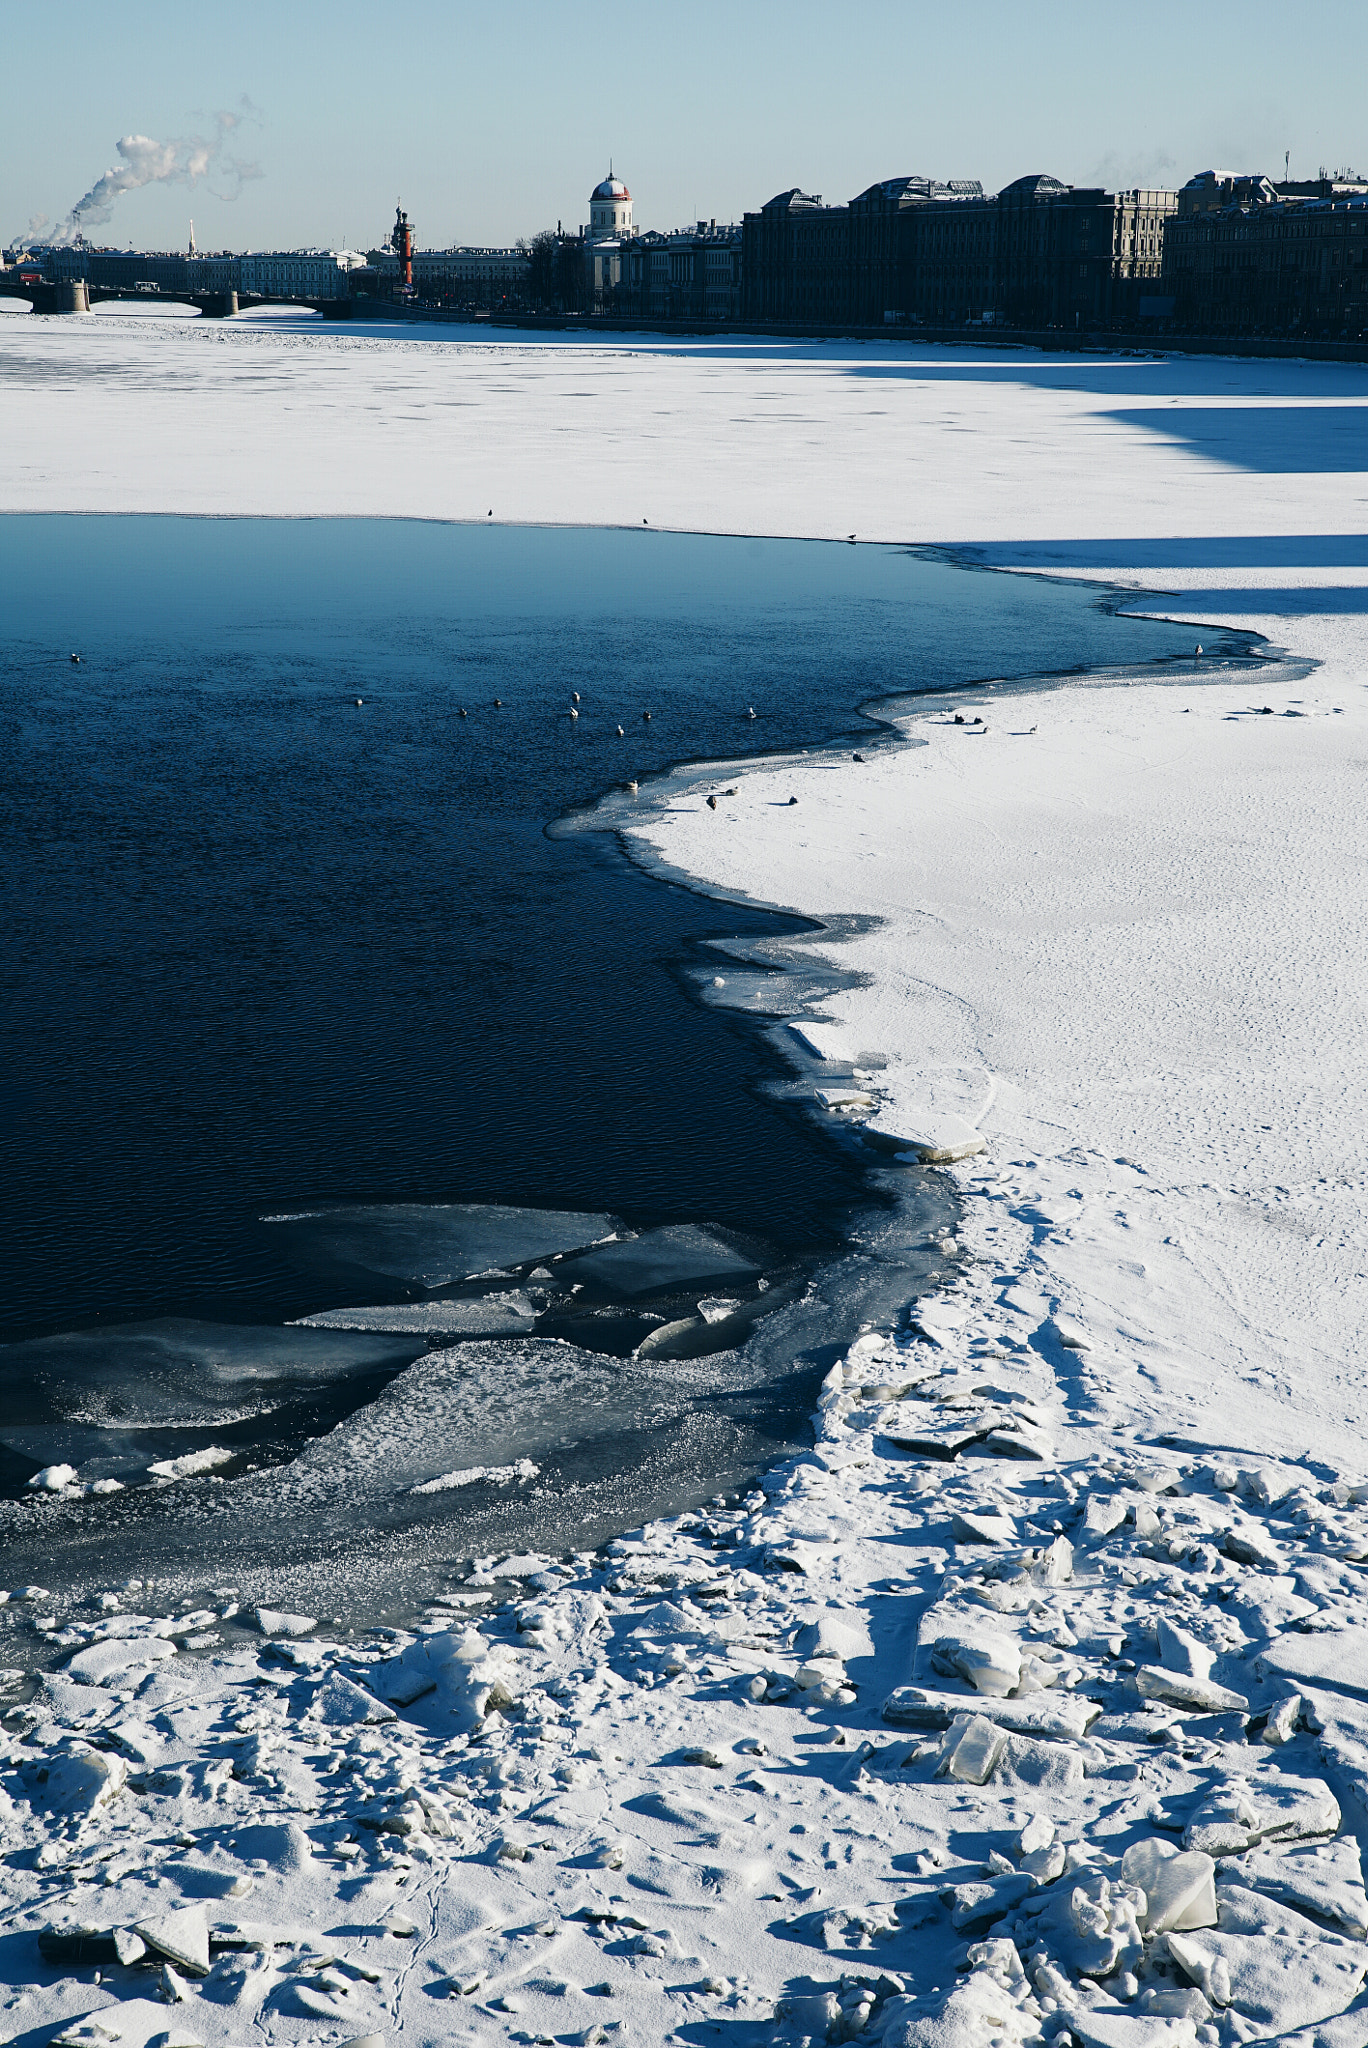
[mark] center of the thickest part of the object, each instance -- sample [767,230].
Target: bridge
[78,296]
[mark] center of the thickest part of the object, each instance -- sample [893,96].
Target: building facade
[1245,256]
[280,274]
[471,277]
[1040,254]
[693,274]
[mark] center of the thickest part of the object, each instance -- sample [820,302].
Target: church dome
[610,189]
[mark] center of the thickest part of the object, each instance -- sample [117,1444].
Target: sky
[297,123]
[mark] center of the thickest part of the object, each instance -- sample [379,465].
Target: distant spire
[193,251]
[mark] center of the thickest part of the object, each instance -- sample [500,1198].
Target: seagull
[463,713]
[959,718]
[646,717]
[77,659]
[631,788]
[574,696]
[793,800]
[712,803]
[850,536]
[645,522]
[621,734]
[573,712]
[498,703]
[978,721]
[490,513]
[1199,646]
[359,702]
[750,711]
[1034,729]
[859,758]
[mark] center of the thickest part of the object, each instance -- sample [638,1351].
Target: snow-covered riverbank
[1031,1700]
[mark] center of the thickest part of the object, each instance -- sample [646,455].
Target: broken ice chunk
[983,1526]
[1179,1885]
[54,1478]
[75,1780]
[1101,1517]
[659,1261]
[1158,2026]
[1276,1981]
[1198,1695]
[939,1140]
[192,1464]
[1337,1658]
[1056,1766]
[272,1622]
[1326,1880]
[1038,1833]
[180,1373]
[1092,1926]
[823,1042]
[926,1437]
[183,1937]
[1281,1724]
[341,1704]
[1178,1651]
[104,1663]
[1252,1545]
[837,1636]
[509,1314]
[1236,1816]
[979,1905]
[1062,1717]
[1019,1438]
[521,1471]
[433,1245]
[972,1749]
[990,1662]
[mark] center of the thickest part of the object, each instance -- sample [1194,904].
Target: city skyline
[309,143]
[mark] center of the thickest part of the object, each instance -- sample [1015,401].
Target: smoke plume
[146,162]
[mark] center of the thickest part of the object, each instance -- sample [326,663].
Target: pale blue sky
[495,121]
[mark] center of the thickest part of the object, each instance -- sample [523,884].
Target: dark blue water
[268,948]
[265,947]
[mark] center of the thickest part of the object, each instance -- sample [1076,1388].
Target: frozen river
[286,935]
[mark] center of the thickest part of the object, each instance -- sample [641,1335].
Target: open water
[284,930]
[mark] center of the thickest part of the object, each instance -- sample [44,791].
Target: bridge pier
[69,297]
[218,305]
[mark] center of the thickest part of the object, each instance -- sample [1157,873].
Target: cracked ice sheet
[1146,920]
[659,1783]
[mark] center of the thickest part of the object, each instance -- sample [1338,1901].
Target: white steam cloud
[144,161]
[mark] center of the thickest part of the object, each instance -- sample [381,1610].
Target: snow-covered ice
[1031,1700]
